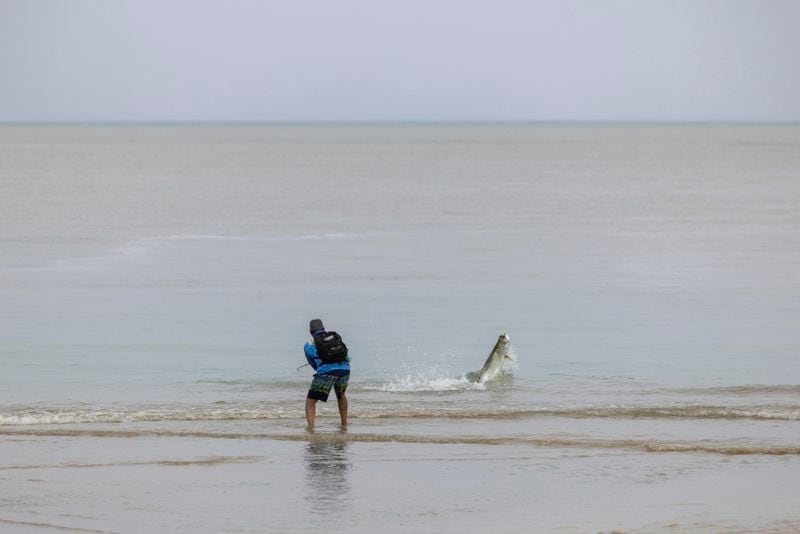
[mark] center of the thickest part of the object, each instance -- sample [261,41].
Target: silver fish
[494,363]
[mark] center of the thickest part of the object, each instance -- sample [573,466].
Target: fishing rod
[304,365]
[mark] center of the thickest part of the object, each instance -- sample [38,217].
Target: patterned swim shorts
[322,384]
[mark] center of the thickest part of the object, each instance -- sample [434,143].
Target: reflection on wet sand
[327,467]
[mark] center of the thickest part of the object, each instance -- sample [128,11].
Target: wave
[52,526]
[134,415]
[641,445]
[763,413]
[744,390]
[204,460]
[778,412]
[390,410]
[145,246]
[223,237]
[319,237]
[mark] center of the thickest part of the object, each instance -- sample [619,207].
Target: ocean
[157,282]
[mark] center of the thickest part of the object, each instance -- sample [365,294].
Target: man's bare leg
[311,412]
[342,402]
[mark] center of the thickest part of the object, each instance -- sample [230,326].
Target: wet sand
[331,479]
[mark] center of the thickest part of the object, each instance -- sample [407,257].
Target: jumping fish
[494,363]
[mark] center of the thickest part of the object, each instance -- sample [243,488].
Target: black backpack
[330,347]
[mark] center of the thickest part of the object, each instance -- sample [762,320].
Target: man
[327,355]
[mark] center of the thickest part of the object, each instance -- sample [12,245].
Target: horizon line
[398,122]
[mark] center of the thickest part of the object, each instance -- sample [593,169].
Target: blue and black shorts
[322,384]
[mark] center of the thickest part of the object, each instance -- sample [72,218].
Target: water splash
[427,380]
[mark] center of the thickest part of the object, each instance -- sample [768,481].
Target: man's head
[316,326]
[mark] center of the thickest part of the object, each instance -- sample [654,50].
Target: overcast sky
[364,60]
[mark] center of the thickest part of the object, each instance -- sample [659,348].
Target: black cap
[316,326]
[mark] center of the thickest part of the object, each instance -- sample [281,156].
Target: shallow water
[157,284]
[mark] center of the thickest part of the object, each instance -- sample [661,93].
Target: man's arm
[311,355]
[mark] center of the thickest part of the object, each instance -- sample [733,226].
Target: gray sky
[85,60]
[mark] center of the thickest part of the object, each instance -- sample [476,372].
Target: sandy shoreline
[193,484]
